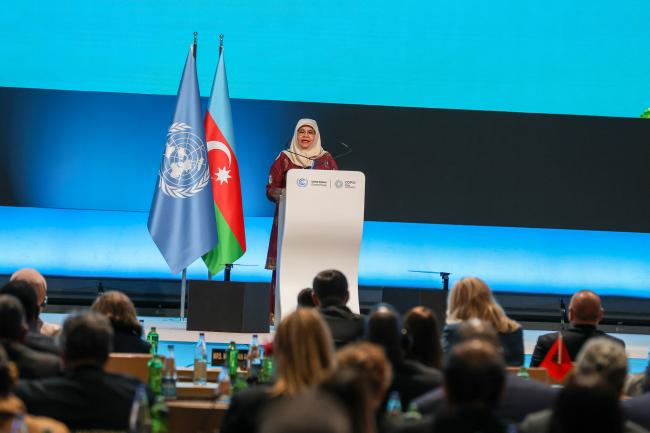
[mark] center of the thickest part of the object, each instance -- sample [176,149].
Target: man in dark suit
[85,397]
[26,294]
[521,396]
[585,313]
[330,294]
[13,329]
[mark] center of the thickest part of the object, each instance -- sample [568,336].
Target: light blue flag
[182,218]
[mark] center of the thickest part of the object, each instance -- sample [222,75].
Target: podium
[320,225]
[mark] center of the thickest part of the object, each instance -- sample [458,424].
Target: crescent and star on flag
[222,174]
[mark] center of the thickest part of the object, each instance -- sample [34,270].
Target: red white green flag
[224,170]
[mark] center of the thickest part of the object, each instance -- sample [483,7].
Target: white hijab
[314,151]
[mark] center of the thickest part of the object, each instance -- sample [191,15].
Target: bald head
[35,279]
[585,308]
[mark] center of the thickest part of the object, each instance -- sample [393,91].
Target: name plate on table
[219,358]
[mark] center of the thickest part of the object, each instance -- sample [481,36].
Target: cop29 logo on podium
[184,171]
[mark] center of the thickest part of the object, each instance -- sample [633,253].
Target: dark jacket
[31,363]
[511,342]
[520,398]
[540,422]
[246,410]
[42,343]
[128,340]
[637,410]
[574,338]
[412,379]
[345,326]
[84,398]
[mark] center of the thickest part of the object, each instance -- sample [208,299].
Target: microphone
[345,152]
[562,313]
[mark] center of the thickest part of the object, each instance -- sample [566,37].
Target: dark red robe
[278,180]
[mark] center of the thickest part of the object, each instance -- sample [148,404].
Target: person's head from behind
[304,351]
[471,298]
[36,280]
[348,385]
[86,340]
[477,329]
[370,360]
[421,326]
[26,294]
[602,360]
[385,329]
[587,405]
[306,298]
[13,326]
[313,412]
[119,309]
[585,308]
[474,376]
[330,288]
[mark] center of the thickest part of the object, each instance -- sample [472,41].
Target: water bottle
[266,375]
[155,374]
[169,374]
[394,406]
[254,361]
[412,414]
[140,416]
[201,361]
[159,416]
[233,360]
[523,373]
[152,338]
[224,387]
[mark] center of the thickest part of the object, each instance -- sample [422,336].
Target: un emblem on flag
[184,171]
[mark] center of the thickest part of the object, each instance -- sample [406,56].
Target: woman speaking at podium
[306,152]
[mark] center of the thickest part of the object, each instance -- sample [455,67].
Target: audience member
[330,296]
[370,360]
[421,328]
[13,329]
[38,282]
[410,378]
[349,386]
[590,401]
[306,298]
[309,413]
[474,379]
[471,298]
[86,396]
[127,330]
[303,355]
[26,294]
[521,396]
[585,313]
[13,415]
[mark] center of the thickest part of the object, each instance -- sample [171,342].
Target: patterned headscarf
[314,151]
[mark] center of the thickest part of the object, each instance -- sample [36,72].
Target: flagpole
[183,288]
[220,43]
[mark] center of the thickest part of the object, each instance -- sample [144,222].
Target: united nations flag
[182,218]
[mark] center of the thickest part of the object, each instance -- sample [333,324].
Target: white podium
[320,224]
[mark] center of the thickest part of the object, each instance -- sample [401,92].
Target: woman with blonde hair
[471,298]
[303,354]
[127,335]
